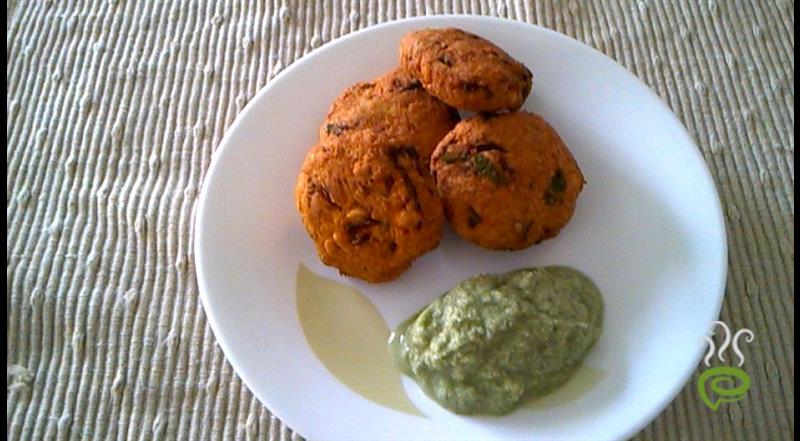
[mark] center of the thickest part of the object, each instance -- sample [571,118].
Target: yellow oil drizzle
[349,335]
[582,380]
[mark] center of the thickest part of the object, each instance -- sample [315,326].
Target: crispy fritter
[506,181]
[465,70]
[395,105]
[369,204]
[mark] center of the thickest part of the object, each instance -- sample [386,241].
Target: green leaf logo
[719,384]
[722,382]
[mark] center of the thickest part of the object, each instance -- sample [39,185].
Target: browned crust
[369,205]
[506,181]
[465,70]
[394,105]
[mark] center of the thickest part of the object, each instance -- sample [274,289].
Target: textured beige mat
[114,110]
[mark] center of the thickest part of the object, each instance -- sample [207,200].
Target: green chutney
[493,341]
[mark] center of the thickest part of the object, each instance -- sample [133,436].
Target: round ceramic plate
[648,229]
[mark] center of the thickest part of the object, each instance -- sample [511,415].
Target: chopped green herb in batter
[484,167]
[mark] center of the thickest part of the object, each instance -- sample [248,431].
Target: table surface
[115,109]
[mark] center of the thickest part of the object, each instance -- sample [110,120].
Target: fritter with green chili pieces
[506,181]
[369,204]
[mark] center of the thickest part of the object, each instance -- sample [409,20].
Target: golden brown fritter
[464,70]
[369,204]
[395,104]
[506,181]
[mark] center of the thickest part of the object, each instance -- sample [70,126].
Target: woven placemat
[115,109]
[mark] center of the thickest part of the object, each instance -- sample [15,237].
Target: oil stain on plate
[349,335]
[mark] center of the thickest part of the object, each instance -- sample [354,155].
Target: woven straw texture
[115,109]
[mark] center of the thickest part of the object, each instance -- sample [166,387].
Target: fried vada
[506,181]
[369,204]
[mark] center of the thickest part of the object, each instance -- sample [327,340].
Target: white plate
[648,229]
